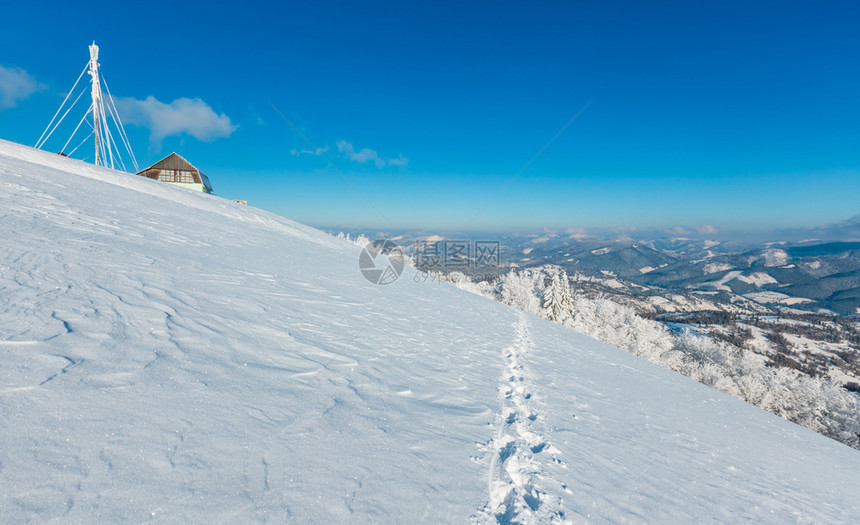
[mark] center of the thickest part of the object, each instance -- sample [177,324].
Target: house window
[167,175]
[186,177]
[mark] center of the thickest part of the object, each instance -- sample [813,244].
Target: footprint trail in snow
[520,453]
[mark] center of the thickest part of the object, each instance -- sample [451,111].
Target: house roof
[175,161]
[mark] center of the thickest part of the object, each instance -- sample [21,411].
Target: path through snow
[518,481]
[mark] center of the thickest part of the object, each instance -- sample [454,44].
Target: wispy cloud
[365,155]
[677,230]
[705,229]
[255,116]
[318,152]
[361,156]
[576,233]
[399,161]
[182,116]
[16,85]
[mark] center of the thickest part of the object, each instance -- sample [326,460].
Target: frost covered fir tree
[557,304]
[519,290]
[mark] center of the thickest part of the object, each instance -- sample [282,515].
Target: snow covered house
[176,170]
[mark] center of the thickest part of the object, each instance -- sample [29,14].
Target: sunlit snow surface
[170,356]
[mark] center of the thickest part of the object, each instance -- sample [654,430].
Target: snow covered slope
[170,356]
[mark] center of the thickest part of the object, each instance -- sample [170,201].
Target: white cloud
[362,156]
[400,161]
[368,155]
[318,152]
[16,85]
[677,230]
[183,115]
[705,229]
[576,233]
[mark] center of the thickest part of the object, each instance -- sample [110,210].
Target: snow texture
[716,267]
[758,279]
[173,357]
[776,297]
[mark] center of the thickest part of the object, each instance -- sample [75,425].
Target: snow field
[173,357]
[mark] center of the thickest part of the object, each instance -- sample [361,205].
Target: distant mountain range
[806,276]
[818,272]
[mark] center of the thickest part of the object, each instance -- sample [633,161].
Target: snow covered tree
[519,290]
[557,304]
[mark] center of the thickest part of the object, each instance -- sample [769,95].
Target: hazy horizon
[846,230]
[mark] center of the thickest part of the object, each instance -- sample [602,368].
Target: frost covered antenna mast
[104,111]
[97,97]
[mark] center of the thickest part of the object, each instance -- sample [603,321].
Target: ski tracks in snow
[520,455]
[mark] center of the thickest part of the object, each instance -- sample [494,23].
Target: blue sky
[738,115]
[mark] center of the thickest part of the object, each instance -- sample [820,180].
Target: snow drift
[170,356]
